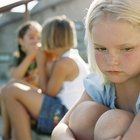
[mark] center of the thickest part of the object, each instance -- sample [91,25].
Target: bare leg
[13,135]
[6,122]
[112,123]
[22,117]
[1,97]
[20,101]
[83,119]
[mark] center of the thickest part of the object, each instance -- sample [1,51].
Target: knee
[84,117]
[79,122]
[84,112]
[8,89]
[112,123]
[4,92]
[78,114]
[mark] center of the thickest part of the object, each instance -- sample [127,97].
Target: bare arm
[133,132]
[57,77]
[42,71]
[62,131]
[20,71]
[52,81]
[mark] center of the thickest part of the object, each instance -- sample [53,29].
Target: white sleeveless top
[72,90]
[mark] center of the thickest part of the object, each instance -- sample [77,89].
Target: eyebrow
[98,45]
[120,46]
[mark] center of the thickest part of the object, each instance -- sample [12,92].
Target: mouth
[114,72]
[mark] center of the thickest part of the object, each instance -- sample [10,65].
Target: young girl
[24,65]
[109,107]
[61,82]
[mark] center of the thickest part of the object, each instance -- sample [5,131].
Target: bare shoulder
[68,66]
[66,63]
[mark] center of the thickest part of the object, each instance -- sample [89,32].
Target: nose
[112,60]
[36,40]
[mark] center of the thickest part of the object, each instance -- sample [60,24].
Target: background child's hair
[21,32]
[58,32]
[127,10]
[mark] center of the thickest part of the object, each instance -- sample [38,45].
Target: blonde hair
[127,10]
[58,32]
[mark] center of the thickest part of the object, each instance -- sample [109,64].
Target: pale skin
[117,53]
[26,101]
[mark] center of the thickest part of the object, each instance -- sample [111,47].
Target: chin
[117,80]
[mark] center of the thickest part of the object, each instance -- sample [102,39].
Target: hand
[117,138]
[32,50]
[41,55]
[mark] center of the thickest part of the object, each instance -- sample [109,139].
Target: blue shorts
[51,113]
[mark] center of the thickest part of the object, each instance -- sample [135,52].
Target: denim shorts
[51,113]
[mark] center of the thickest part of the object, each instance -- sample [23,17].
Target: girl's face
[31,39]
[117,49]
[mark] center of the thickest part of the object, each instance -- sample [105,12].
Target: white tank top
[72,90]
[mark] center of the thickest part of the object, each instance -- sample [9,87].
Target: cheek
[132,59]
[99,58]
[26,42]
